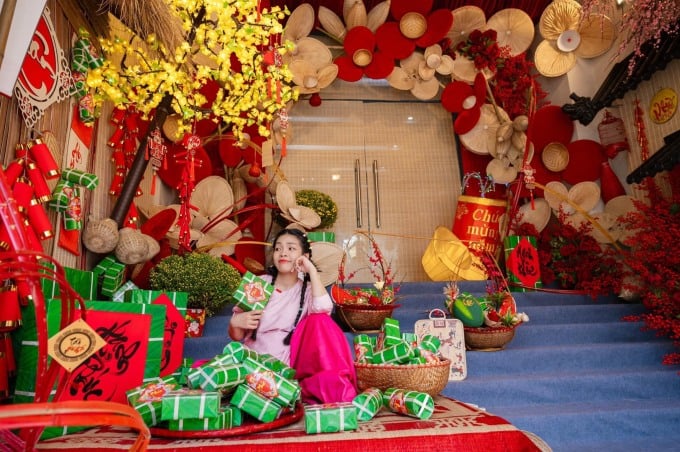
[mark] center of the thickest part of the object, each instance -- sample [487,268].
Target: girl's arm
[321,301]
[243,322]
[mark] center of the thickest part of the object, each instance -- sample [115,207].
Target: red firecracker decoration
[641,131]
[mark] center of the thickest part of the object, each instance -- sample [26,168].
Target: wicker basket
[488,339]
[429,378]
[364,317]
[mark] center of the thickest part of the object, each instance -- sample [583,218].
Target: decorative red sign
[524,264]
[173,337]
[119,365]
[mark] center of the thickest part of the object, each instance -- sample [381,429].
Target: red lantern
[612,133]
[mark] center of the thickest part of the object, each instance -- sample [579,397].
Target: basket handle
[434,313]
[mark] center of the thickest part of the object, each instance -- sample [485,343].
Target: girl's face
[287,250]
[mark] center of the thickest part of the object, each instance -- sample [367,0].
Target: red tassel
[192,169]
[153,183]
[278,91]
[284,151]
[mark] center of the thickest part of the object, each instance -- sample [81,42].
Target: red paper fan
[381,66]
[159,225]
[549,124]
[585,161]
[392,42]
[400,7]
[359,38]
[347,70]
[438,24]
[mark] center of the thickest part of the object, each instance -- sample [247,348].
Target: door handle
[376,193]
[357,193]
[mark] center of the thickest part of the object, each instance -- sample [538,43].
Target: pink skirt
[323,361]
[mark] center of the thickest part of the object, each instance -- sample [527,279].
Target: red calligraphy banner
[119,365]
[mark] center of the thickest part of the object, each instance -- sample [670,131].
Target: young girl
[296,327]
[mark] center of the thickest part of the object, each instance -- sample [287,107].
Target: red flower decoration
[459,97]
[361,57]
[416,26]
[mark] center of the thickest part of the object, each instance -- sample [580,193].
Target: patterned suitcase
[452,336]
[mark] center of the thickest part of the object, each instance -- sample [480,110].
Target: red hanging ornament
[641,131]
[612,133]
[156,153]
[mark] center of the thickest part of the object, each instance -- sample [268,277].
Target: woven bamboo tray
[429,378]
[364,318]
[488,339]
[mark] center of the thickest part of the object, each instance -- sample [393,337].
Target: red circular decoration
[549,124]
[438,24]
[585,161]
[391,41]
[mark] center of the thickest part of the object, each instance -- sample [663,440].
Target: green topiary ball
[209,281]
[321,203]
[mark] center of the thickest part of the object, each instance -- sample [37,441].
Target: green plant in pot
[209,281]
[321,203]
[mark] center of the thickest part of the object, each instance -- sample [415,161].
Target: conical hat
[501,171]
[597,36]
[620,205]
[465,19]
[327,256]
[555,193]
[312,51]
[300,23]
[219,233]
[552,62]
[585,194]
[514,29]
[304,216]
[285,196]
[477,139]
[213,195]
[538,214]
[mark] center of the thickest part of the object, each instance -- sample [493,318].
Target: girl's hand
[303,264]
[248,320]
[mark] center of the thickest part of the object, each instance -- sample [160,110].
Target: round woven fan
[514,29]
[465,19]
[552,62]
[597,36]
[557,17]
